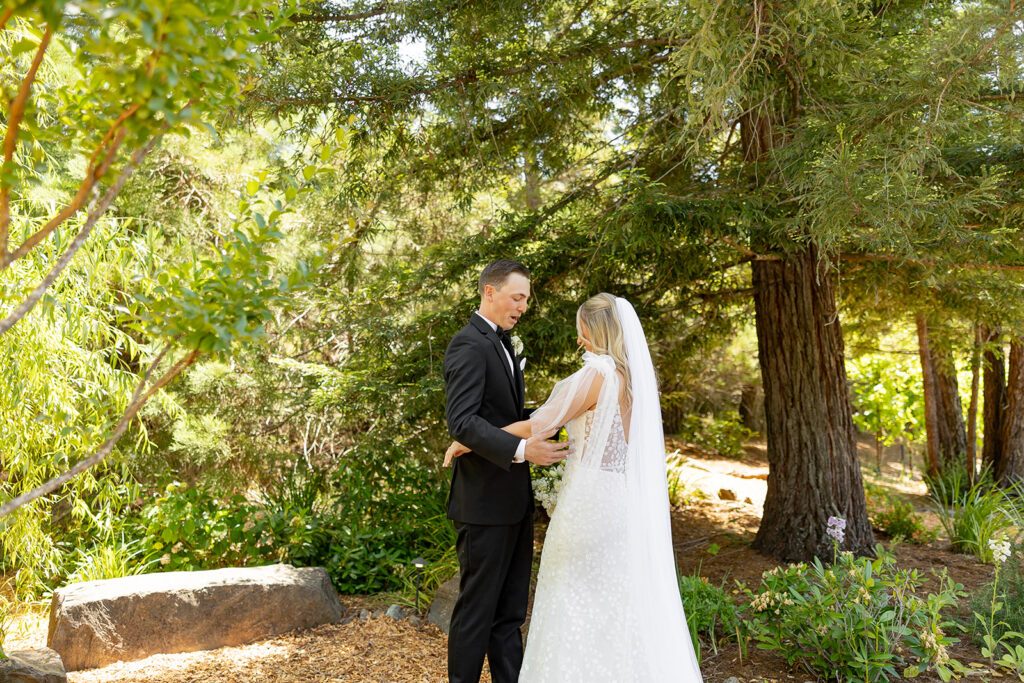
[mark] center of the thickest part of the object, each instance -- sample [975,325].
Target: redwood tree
[657,149]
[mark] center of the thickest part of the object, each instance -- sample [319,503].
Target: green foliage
[972,515]
[896,518]
[888,397]
[364,523]
[724,435]
[109,559]
[1001,641]
[858,619]
[711,614]
[1001,602]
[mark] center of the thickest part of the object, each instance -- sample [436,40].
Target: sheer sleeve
[568,400]
[595,386]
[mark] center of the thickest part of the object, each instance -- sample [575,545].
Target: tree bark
[1011,464]
[813,472]
[972,410]
[944,415]
[994,392]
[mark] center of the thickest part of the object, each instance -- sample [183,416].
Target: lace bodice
[613,456]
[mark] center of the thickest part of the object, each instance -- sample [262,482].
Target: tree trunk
[1011,464]
[994,391]
[972,411]
[944,416]
[813,471]
[751,408]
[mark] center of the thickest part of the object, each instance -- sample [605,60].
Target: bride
[607,607]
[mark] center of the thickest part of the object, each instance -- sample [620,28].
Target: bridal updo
[600,317]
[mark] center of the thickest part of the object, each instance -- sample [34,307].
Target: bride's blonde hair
[601,318]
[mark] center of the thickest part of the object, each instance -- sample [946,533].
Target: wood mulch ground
[711,536]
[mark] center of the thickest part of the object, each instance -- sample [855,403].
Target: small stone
[731,679]
[364,614]
[726,494]
[415,621]
[37,665]
[349,619]
[395,612]
[377,613]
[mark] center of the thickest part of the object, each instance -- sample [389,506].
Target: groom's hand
[540,451]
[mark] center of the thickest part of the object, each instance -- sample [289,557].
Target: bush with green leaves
[896,518]
[859,619]
[723,434]
[972,514]
[363,521]
[711,614]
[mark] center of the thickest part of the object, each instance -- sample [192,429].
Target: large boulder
[36,665]
[96,623]
[443,603]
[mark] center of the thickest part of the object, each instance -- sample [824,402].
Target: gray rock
[364,614]
[731,679]
[444,601]
[97,623]
[37,665]
[395,612]
[415,621]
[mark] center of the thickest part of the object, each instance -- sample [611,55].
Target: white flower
[547,487]
[1000,550]
[517,344]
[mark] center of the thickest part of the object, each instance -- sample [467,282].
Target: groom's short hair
[495,274]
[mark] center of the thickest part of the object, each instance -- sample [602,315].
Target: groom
[491,501]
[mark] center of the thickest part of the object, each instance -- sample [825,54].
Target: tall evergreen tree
[686,153]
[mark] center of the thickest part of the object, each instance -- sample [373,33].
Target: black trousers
[494,587]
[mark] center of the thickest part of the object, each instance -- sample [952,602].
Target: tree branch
[376,11]
[137,401]
[98,210]
[93,176]
[476,74]
[14,119]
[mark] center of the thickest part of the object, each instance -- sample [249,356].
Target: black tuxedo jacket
[485,394]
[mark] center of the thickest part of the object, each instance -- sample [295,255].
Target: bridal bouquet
[547,483]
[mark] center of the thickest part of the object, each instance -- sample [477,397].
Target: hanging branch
[14,119]
[98,210]
[137,401]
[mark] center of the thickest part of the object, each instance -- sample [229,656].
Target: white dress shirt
[520,455]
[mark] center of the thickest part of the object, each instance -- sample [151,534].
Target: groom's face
[508,302]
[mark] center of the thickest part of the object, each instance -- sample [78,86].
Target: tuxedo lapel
[499,349]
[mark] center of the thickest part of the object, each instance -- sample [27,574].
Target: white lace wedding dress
[588,623]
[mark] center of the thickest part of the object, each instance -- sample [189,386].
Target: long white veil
[668,653]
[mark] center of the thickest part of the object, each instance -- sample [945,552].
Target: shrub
[858,619]
[896,518]
[711,614]
[364,521]
[723,434]
[972,515]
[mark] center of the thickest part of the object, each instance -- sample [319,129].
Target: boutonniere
[517,344]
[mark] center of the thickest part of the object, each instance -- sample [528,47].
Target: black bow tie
[503,334]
